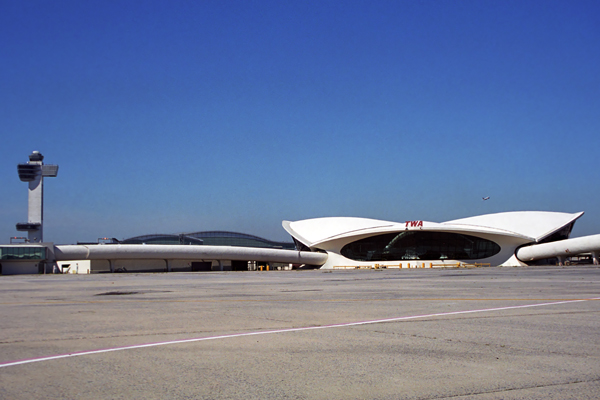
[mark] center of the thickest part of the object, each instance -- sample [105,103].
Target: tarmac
[480,333]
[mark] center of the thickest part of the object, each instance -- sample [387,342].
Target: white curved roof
[316,230]
[531,225]
[534,224]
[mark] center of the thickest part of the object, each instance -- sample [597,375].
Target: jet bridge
[168,253]
[561,249]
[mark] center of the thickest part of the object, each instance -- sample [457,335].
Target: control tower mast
[34,172]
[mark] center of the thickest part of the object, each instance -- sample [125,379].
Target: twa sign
[414,224]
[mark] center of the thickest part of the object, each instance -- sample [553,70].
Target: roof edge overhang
[314,231]
[514,220]
[294,234]
[576,216]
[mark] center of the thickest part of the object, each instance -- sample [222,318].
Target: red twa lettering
[414,224]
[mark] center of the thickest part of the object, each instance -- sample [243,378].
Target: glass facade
[420,245]
[22,253]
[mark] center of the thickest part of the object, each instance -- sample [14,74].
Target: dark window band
[419,245]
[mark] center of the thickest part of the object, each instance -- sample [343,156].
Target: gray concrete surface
[550,351]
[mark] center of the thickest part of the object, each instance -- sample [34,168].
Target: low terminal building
[197,251]
[24,258]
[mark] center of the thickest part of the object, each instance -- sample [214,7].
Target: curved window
[419,245]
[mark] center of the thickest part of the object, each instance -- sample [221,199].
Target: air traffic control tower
[34,172]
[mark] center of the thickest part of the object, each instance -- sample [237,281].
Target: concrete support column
[561,260]
[168,265]
[36,207]
[111,265]
[595,257]
[220,265]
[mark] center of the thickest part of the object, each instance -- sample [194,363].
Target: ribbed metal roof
[211,238]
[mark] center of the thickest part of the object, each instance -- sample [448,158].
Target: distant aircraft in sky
[486,198]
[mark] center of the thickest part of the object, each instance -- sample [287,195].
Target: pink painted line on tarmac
[236,335]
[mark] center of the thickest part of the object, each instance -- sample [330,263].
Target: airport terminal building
[501,239]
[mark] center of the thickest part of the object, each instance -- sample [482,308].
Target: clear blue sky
[174,116]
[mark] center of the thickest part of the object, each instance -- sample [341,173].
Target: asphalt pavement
[481,333]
